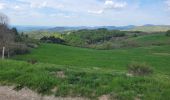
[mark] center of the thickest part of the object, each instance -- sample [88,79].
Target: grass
[70,71]
[108,59]
[91,83]
[152,38]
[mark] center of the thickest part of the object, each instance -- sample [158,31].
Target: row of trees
[52,39]
[85,37]
[6,35]
[168,33]
[11,42]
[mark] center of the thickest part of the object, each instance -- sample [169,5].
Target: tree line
[11,41]
[88,37]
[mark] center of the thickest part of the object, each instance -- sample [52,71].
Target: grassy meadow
[71,71]
[118,59]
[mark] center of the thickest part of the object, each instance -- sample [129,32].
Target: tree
[15,31]
[3,19]
[6,35]
[168,33]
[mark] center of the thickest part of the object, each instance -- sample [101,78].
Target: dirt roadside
[7,93]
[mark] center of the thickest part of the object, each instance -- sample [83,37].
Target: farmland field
[112,59]
[90,73]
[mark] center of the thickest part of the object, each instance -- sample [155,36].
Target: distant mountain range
[30,28]
[67,28]
[145,28]
[61,29]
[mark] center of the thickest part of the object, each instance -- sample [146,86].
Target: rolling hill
[144,28]
[66,71]
[151,28]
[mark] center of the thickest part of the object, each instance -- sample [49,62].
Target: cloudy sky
[86,12]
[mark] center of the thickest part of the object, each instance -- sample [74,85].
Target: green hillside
[158,28]
[150,39]
[67,71]
[116,59]
[40,34]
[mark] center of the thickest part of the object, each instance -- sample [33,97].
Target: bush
[131,44]
[32,45]
[52,39]
[20,49]
[139,69]
[135,35]
[32,61]
[168,33]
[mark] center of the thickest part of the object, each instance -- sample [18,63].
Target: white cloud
[61,15]
[2,6]
[168,3]
[83,12]
[17,7]
[38,5]
[43,4]
[96,11]
[109,4]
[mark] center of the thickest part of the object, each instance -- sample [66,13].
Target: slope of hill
[151,28]
[67,55]
[68,71]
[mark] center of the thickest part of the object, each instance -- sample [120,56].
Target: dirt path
[7,93]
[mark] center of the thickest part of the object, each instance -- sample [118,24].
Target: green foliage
[15,31]
[52,39]
[20,49]
[105,39]
[140,69]
[135,35]
[23,43]
[41,34]
[83,38]
[130,40]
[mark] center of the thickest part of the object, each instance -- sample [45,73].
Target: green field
[71,71]
[156,28]
[152,38]
[90,73]
[108,59]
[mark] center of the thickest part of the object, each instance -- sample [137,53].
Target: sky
[86,12]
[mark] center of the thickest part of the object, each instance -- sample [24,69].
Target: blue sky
[86,12]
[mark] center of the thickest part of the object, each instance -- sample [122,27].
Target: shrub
[139,69]
[135,35]
[20,49]
[52,39]
[32,61]
[131,44]
[32,45]
[168,33]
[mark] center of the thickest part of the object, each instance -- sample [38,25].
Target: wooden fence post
[3,53]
